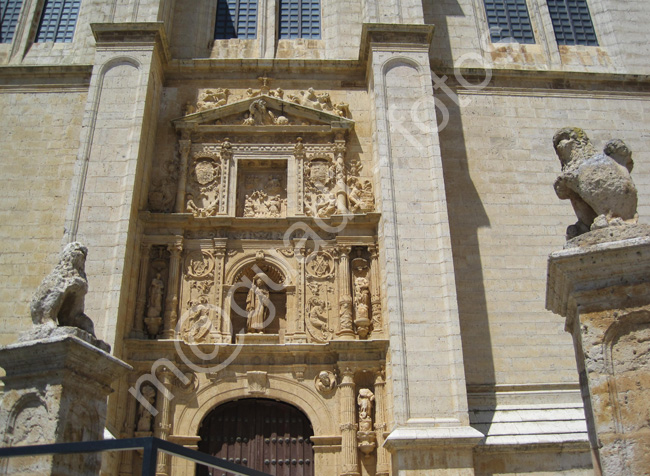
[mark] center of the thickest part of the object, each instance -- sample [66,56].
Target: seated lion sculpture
[59,300]
[599,185]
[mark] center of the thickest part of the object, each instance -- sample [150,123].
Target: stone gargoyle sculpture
[59,300]
[599,186]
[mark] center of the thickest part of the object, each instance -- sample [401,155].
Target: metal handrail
[151,446]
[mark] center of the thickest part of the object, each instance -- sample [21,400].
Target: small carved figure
[343,109]
[257,305]
[155,297]
[367,197]
[599,186]
[259,114]
[275,206]
[249,210]
[59,300]
[145,419]
[354,194]
[211,99]
[325,382]
[365,401]
[316,313]
[196,328]
[328,207]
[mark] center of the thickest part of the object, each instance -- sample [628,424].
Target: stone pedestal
[55,392]
[603,290]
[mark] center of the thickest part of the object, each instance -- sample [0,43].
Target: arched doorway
[266,435]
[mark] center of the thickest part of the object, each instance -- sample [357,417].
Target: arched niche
[257,284]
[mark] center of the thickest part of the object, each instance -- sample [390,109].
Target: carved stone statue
[325,382]
[197,325]
[599,186]
[365,436]
[145,419]
[59,300]
[257,305]
[156,289]
[212,98]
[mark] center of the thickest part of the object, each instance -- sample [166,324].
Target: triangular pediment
[263,114]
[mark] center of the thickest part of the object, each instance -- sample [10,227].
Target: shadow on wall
[466,216]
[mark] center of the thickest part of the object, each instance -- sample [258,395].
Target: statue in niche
[257,304]
[196,327]
[325,382]
[145,419]
[154,305]
[361,296]
[365,401]
[599,186]
[365,435]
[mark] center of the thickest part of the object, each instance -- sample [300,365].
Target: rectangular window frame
[236,19]
[509,21]
[9,16]
[572,22]
[58,21]
[299,19]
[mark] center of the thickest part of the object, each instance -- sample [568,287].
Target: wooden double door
[262,434]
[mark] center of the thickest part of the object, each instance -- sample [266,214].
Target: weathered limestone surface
[602,290]
[55,391]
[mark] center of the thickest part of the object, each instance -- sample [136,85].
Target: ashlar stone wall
[499,167]
[39,145]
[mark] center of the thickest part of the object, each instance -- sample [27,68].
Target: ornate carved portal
[223,263]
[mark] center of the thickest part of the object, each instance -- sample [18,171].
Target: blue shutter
[236,19]
[9,13]
[572,22]
[509,21]
[299,19]
[58,21]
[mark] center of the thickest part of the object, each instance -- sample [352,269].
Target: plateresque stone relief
[599,186]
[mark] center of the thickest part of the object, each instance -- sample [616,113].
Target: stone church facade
[318,231]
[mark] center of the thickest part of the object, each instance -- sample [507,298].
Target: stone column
[55,391]
[341,185]
[299,329]
[164,425]
[375,295]
[171,303]
[219,259]
[349,454]
[185,146]
[603,291]
[383,458]
[428,389]
[141,302]
[299,156]
[346,332]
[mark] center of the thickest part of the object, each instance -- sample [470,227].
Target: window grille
[572,22]
[509,21]
[299,19]
[9,13]
[58,21]
[236,19]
